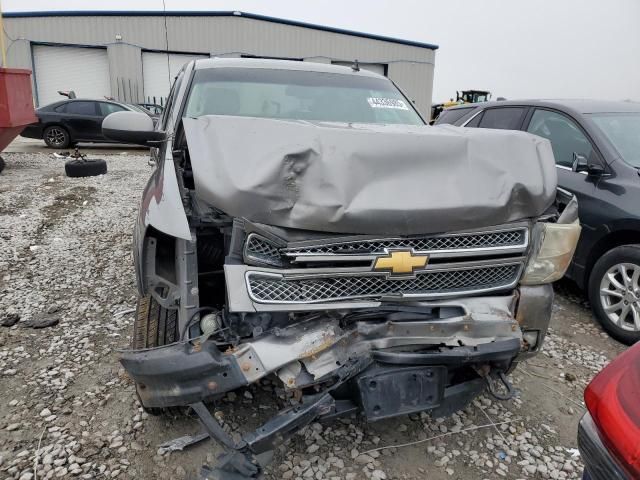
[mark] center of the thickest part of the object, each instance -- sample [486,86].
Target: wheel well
[613,240]
[55,124]
[164,261]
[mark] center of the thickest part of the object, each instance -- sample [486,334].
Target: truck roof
[275,64]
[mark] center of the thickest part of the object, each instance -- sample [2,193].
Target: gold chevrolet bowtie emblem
[402,261]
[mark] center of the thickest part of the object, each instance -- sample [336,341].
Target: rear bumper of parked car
[599,462]
[33,130]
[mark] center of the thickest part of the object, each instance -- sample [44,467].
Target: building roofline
[264,18]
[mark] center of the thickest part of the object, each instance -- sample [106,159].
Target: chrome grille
[497,239]
[259,249]
[273,288]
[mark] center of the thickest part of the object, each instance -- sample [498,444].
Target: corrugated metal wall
[411,67]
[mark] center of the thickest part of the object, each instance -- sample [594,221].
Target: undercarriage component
[426,356]
[387,392]
[491,387]
[384,392]
[241,459]
[269,435]
[495,352]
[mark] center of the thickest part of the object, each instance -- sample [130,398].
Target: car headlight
[552,252]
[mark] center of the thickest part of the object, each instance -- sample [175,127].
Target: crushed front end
[355,301]
[385,326]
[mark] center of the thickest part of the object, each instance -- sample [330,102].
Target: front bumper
[482,332]
[599,462]
[181,373]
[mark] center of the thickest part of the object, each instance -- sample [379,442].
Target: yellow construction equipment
[464,96]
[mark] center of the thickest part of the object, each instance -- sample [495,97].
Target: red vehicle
[16,105]
[609,433]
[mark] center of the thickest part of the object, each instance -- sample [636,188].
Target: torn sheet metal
[369,179]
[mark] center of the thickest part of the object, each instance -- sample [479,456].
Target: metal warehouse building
[124,54]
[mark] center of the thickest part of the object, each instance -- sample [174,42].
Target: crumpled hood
[369,179]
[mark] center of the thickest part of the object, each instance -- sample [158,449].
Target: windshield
[298,95]
[623,130]
[138,108]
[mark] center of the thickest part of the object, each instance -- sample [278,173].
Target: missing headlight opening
[357,283]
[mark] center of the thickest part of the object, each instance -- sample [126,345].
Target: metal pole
[4,53]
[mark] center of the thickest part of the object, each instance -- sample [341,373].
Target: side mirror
[581,164]
[132,127]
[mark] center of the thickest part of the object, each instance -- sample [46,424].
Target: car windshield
[623,130]
[138,108]
[298,95]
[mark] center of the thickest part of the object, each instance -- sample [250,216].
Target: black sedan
[67,122]
[597,150]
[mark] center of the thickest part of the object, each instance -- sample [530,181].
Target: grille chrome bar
[514,237]
[509,240]
[275,288]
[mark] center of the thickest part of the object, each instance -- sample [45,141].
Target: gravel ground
[67,410]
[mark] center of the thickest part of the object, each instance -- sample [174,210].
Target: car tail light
[613,400]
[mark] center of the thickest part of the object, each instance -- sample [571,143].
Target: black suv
[597,150]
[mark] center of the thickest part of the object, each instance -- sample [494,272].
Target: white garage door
[83,70]
[157,78]
[378,68]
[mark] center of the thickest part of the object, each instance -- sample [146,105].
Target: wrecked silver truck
[303,222]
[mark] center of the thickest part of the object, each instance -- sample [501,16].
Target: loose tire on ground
[85,168]
[154,326]
[56,136]
[2,164]
[606,277]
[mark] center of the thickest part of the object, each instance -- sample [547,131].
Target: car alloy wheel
[620,295]
[56,137]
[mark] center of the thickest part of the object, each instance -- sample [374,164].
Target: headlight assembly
[553,251]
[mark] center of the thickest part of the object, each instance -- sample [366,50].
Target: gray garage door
[378,68]
[158,76]
[83,70]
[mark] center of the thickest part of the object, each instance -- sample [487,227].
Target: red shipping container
[16,103]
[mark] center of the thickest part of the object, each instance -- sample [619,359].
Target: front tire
[154,326]
[56,136]
[614,292]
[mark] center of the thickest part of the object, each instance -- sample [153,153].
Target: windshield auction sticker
[394,103]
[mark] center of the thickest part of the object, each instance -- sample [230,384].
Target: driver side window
[565,136]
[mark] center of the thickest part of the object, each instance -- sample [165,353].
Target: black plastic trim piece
[503,350]
[599,462]
[181,373]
